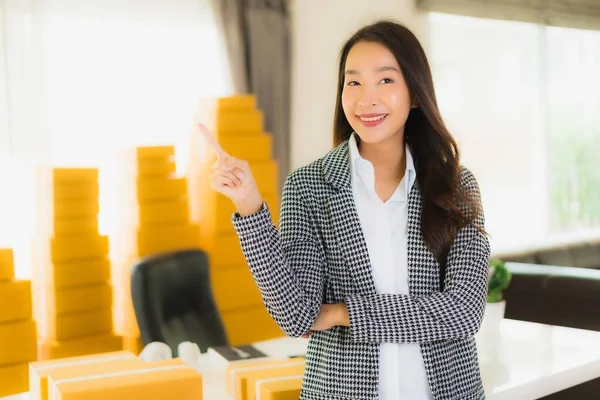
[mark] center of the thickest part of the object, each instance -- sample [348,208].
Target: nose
[368,97]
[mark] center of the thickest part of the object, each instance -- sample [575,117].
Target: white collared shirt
[401,366]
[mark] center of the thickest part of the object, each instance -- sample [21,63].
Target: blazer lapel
[414,244]
[423,269]
[344,219]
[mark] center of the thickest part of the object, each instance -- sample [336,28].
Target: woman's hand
[330,315]
[233,178]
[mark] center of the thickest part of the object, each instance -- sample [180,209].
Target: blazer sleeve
[288,265]
[452,314]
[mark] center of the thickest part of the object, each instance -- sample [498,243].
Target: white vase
[488,336]
[493,316]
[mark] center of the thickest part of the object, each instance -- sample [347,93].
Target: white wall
[319,29]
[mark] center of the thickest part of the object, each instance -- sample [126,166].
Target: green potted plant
[487,337]
[499,279]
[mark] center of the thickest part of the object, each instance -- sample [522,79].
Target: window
[522,100]
[573,129]
[79,83]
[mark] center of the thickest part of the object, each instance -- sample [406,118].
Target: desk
[533,360]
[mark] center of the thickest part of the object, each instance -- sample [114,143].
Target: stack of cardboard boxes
[17,329]
[265,379]
[154,218]
[117,375]
[71,278]
[238,127]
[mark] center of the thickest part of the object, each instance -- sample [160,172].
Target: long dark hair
[446,207]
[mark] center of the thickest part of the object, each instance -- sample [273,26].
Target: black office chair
[173,300]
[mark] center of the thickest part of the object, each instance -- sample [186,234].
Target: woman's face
[375,98]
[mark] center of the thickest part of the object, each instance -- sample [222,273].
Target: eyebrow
[381,69]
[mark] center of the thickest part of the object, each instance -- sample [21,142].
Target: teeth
[373,118]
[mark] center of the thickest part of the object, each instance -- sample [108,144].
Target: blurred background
[519,89]
[518,84]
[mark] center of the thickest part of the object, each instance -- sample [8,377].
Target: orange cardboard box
[245,378]
[236,102]
[266,176]
[160,166]
[159,238]
[238,280]
[156,380]
[133,344]
[263,326]
[152,189]
[57,191]
[238,121]
[71,247]
[236,371]
[69,273]
[68,326]
[167,211]
[7,269]
[255,379]
[253,147]
[67,175]
[15,300]
[39,370]
[13,379]
[94,344]
[233,367]
[85,225]
[282,388]
[17,342]
[153,152]
[224,250]
[50,301]
[48,213]
[223,218]
[235,115]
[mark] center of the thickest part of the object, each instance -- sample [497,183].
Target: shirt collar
[354,154]
[355,158]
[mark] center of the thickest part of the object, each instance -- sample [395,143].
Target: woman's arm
[454,313]
[288,265]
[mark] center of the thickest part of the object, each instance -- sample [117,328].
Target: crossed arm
[289,268]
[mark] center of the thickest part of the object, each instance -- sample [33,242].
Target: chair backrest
[173,300]
[565,296]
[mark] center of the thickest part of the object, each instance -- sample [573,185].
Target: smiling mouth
[372,119]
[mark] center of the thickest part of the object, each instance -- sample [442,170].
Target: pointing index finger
[210,138]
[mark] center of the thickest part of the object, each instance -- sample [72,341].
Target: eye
[387,80]
[352,83]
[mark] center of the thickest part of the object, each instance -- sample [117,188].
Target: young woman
[381,257]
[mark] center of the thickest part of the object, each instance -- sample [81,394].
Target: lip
[371,123]
[371,115]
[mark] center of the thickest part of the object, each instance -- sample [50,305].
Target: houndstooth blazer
[319,255]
